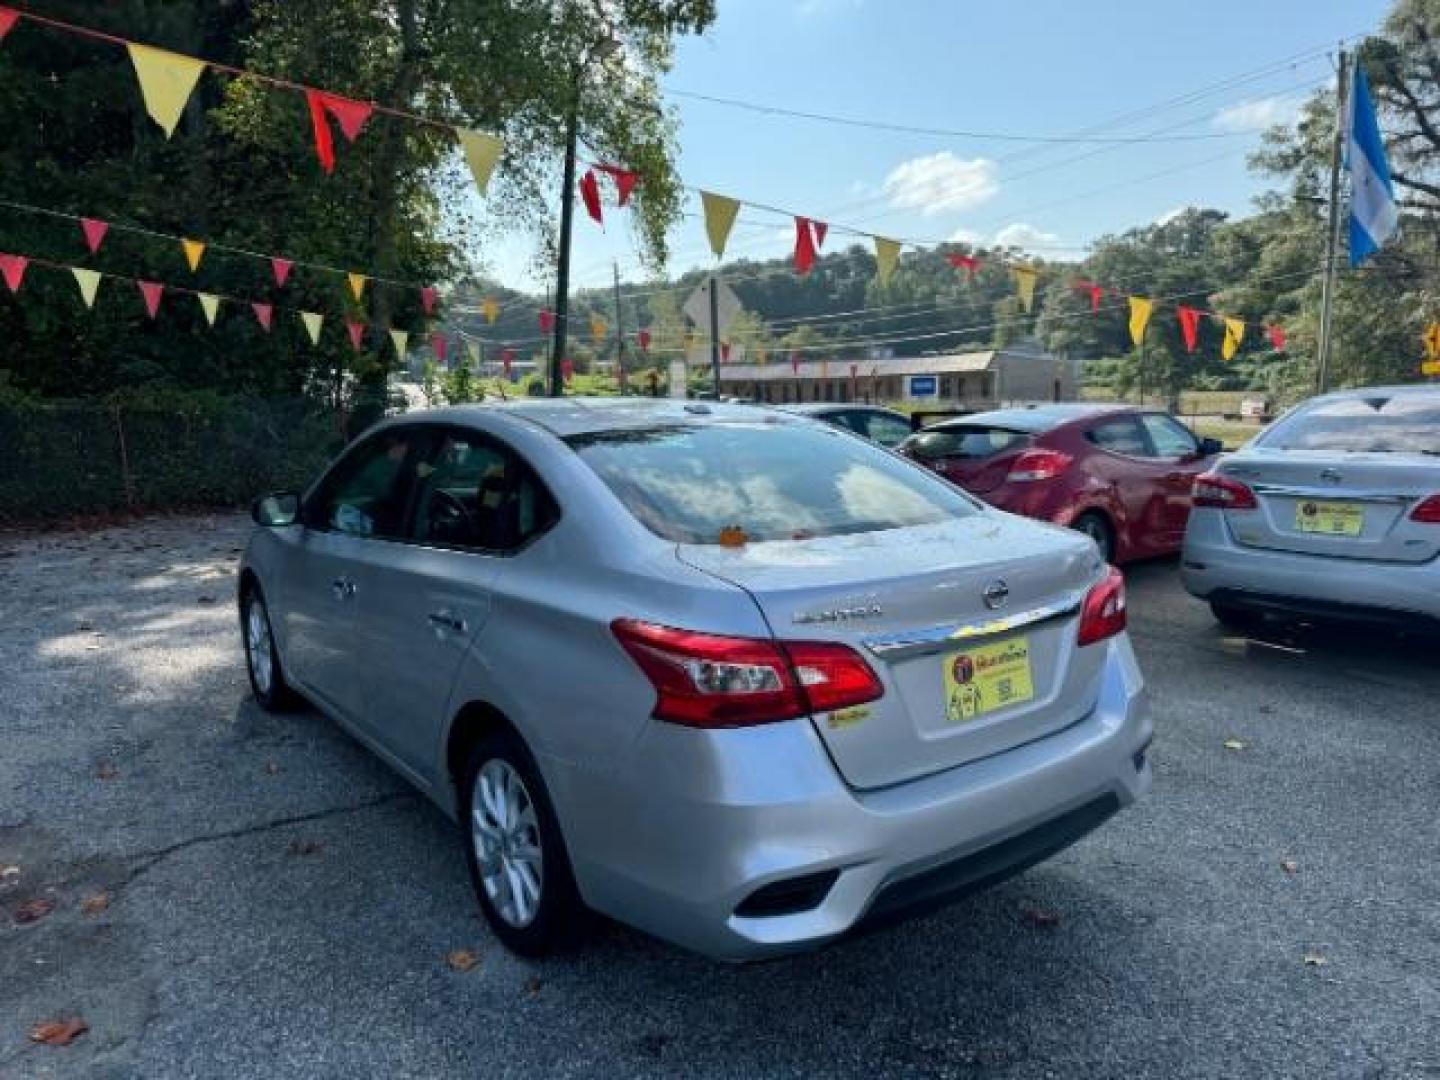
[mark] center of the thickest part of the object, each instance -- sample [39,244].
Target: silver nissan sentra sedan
[734,677]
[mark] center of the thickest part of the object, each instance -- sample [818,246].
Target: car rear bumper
[1214,566]
[746,843]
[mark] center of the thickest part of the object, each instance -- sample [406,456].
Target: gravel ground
[279,905]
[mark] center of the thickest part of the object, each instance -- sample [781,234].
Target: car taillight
[1427,511]
[1103,613]
[1221,493]
[1038,465]
[711,681]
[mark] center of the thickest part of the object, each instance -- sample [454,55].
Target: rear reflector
[1038,465]
[712,681]
[1427,511]
[1103,613]
[1221,493]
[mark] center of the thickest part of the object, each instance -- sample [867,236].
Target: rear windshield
[1400,424]
[965,442]
[770,481]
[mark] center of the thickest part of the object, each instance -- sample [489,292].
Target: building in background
[977,380]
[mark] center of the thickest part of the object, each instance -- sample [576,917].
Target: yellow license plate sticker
[986,678]
[1330,518]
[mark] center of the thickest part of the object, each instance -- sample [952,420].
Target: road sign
[727,305]
[1431,338]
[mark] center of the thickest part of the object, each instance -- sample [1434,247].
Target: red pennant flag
[547,321]
[644,338]
[625,181]
[7,20]
[264,313]
[427,299]
[725,351]
[567,369]
[590,195]
[151,291]
[13,267]
[968,263]
[440,344]
[820,230]
[281,268]
[507,357]
[350,114]
[1095,291]
[1189,325]
[356,330]
[94,232]
[804,246]
[795,363]
[1277,336]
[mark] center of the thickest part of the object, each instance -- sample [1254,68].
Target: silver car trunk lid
[992,589]
[1341,505]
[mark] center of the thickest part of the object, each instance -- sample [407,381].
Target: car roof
[586,415]
[820,408]
[1036,418]
[1360,392]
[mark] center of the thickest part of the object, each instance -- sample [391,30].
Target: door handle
[343,588]
[447,620]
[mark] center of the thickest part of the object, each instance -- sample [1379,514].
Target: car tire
[1239,619]
[262,657]
[515,851]
[1095,526]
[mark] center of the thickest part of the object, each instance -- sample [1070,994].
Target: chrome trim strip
[1333,494]
[933,639]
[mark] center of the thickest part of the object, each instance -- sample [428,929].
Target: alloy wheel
[259,648]
[506,833]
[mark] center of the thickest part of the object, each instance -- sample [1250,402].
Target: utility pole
[567,215]
[715,331]
[1332,237]
[619,331]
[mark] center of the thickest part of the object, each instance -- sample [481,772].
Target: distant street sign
[726,302]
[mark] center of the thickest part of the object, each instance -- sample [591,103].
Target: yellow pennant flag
[1140,309]
[312,321]
[719,219]
[481,151]
[357,284]
[597,328]
[194,252]
[89,281]
[166,82]
[1234,335]
[210,304]
[401,338]
[1025,277]
[887,254]
[490,308]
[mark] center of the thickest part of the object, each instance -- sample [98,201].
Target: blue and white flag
[1373,214]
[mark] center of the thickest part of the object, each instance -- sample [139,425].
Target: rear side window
[771,481]
[1170,438]
[885,430]
[966,442]
[1398,424]
[1122,435]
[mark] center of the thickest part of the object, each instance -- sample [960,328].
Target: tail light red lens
[711,681]
[1103,613]
[1427,511]
[1221,492]
[1037,465]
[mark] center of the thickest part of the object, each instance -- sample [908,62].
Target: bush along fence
[63,459]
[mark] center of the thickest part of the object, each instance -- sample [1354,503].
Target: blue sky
[1039,68]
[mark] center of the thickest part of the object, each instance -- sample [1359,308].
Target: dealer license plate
[1330,518]
[986,678]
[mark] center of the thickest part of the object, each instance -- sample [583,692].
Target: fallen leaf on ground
[1235,744]
[532,985]
[59,1032]
[106,771]
[34,910]
[305,847]
[1040,918]
[1290,866]
[94,905]
[1315,960]
[461,960]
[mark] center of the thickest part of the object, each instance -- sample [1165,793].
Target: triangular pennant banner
[7,20]
[643,337]
[151,291]
[194,252]
[1276,333]
[166,82]
[13,267]
[887,254]
[590,196]
[312,321]
[598,327]
[440,344]
[94,232]
[804,246]
[89,281]
[481,152]
[1189,325]
[1025,277]
[210,305]
[725,351]
[820,230]
[547,321]
[968,263]
[507,358]
[281,269]
[427,299]
[1140,309]
[1095,291]
[351,115]
[264,314]
[719,219]
[401,338]
[490,308]
[567,369]
[1234,335]
[356,330]
[357,284]
[625,180]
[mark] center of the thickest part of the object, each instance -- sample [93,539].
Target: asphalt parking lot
[241,895]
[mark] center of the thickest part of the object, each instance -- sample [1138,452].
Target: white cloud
[941,182]
[1259,114]
[1023,236]
[966,236]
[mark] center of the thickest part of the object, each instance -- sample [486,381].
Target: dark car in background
[884,426]
[1120,475]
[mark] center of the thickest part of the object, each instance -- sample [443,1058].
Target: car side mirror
[276,510]
[1210,447]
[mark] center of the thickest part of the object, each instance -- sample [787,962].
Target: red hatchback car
[1120,475]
